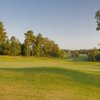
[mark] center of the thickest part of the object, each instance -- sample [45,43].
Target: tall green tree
[97,16]
[92,54]
[7,48]
[46,47]
[38,45]
[29,43]
[2,37]
[15,48]
[56,51]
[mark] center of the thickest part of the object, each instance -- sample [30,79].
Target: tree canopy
[33,45]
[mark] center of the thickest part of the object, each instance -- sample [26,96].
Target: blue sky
[70,23]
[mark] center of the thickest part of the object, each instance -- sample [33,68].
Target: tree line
[33,45]
[40,46]
[83,55]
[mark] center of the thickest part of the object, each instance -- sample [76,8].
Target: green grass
[40,78]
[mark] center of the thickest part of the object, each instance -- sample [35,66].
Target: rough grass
[48,79]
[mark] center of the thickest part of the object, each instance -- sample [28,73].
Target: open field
[40,78]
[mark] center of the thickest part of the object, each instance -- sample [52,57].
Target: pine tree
[29,43]
[38,46]
[15,46]
[2,37]
[7,47]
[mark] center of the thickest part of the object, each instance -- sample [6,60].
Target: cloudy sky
[70,23]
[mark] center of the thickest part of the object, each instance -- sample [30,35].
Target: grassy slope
[48,79]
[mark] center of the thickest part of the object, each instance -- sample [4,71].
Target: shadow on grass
[78,76]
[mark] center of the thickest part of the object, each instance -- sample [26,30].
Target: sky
[70,23]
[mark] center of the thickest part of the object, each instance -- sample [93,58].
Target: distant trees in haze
[83,55]
[32,46]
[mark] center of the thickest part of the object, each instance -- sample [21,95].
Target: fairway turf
[40,78]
